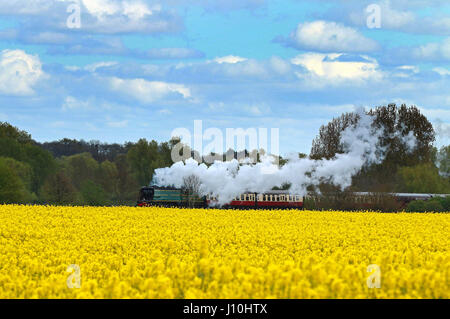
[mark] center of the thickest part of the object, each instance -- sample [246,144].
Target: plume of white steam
[227,180]
[443,163]
[443,134]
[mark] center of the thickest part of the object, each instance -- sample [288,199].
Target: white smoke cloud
[227,180]
[19,72]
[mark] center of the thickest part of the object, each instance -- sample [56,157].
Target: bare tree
[191,184]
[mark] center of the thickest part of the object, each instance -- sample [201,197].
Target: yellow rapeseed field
[126,252]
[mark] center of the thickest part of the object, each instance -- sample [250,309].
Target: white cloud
[19,72]
[148,91]
[403,15]
[250,68]
[433,51]
[118,124]
[438,113]
[229,59]
[329,67]
[442,132]
[72,103]
[98,16]
[94,66]
[87,104]
[170,53]
[442,71]
[327,36]
[279,65]
[390,18]
[405,71]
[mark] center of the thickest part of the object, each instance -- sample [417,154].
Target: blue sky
[140,68]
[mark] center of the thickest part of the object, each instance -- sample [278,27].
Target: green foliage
[18,145]
[437,204]
[108,177]
[103,174]
[443,161]
[11,132]
[42,163]
[59,190]
[10,147]
[23,170]
[396,122]
[12,189]
[423,178]
[143,158]
[81,167]
[94,194]
[417,206]
[128,187]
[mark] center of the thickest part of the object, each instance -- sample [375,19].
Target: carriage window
[251,197]
[297,198]
[282,198]
[244,197]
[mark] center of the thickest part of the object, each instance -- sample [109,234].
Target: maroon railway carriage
[269,200]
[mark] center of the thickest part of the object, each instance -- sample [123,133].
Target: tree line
[419,169]
[405,169]
[73,172]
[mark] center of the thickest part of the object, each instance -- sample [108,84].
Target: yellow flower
[127,252]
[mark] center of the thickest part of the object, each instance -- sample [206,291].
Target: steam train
[175,197]
[275,199]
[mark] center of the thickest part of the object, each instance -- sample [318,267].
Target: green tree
[128,186]
[80,168]
[423,178]
[144,158]
[42,163]
[18,145]
[94,194]
[328,143]
[109,177]
[436,204]
[396,123]
[12,189]
[58,189]
[23,170]
[9,131]
[443,161]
